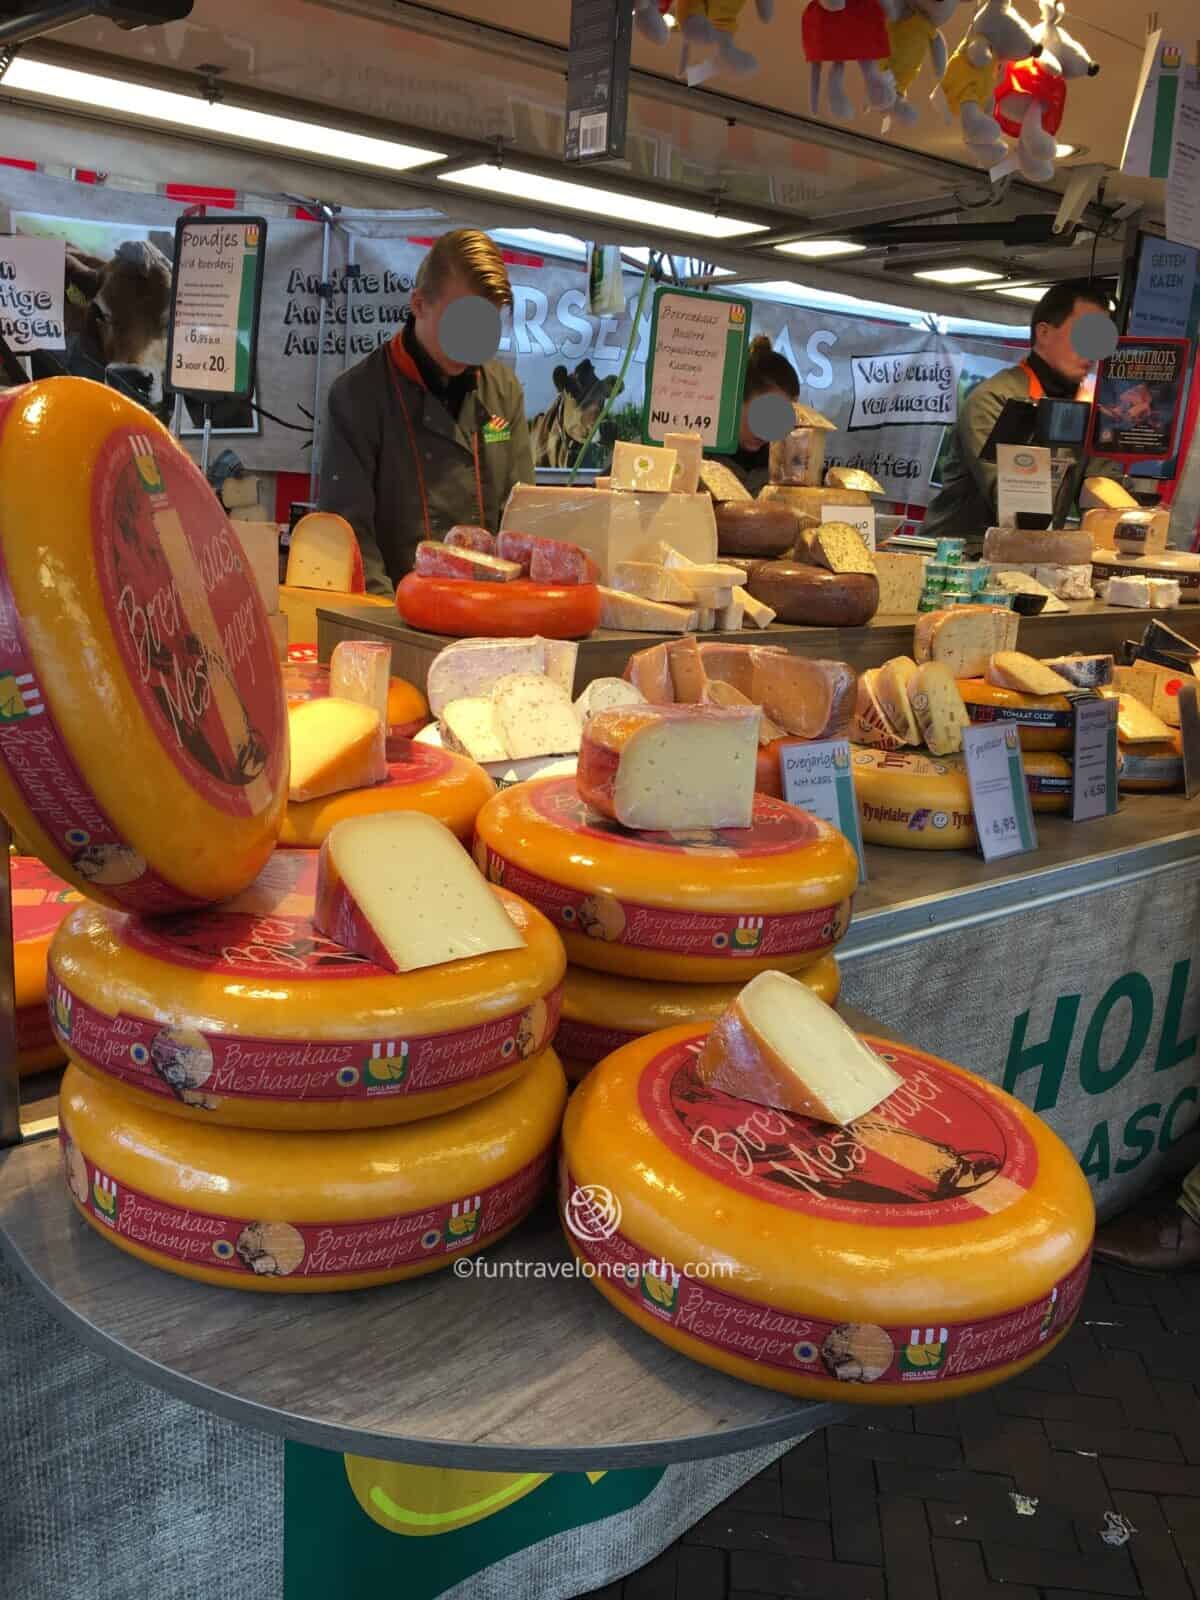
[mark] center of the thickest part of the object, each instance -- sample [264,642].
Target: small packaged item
[949,552]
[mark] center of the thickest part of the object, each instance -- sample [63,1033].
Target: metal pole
[207,441]
[177,415]
[10,1081]
[314,470]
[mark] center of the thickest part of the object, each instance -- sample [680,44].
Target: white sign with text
[1025,485]
[919,389]
[32,287]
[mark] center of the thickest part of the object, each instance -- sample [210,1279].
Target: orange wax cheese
[420,777]
[1044,722]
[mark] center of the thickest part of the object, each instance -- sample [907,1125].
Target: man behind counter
[416,442]
[966,506]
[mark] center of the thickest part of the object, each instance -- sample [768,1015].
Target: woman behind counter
[767,372]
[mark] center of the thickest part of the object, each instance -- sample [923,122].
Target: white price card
[860,517]
[1024,484]
[215,302]
[1094,772]
[999,795]
[696,367]
[817,777]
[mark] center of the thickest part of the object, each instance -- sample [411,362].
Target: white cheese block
[730,617]
[469,667]
[651,581]
[627,611]
[561,656]
[1128,591]
[643,467]
[689,452]
[535,717]
[335,745]
[399,889]
[469,726]
[607,694]
[686,767]
[1083,672]
[706,619]
[1165,591]
[702,574]
[361,670]
[1067,582]
[260,545]
[1020,580]
[780,1046]
[759,613]
[1012,669]
[614,527]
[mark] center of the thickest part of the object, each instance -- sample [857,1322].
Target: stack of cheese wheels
[602,1012]
[1043,721]
[254,1105]
[420,777]
[936,1246]
[40,901]
[1152,767]
[917,801]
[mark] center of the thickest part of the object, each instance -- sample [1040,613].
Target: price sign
[817,778]
[215,302]
[860,517]
[1024,486]
[696,367]
[999,795]
[1094,774]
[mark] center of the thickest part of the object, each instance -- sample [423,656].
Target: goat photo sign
[32,277]
[215,305]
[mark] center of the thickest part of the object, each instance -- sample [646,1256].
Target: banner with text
[32,289]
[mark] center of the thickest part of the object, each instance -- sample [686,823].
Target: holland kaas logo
[924,1353]
[388,1062]
[463,1222]
[660,1288]
[142,447]
[105,1194]
[20,697]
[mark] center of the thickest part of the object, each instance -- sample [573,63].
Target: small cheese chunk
[780,1046]
[469,726]
[607,694]
[399,889]
[871,724]
[938,707]
[260,546]
[1010,669]
[702,575]
[893,688]
[853,478]
[649,581]
[627,611]
[731,616]
[723,484]
[759,612]
[470,667]
[334,746]
[1128,591]
[643,467]
[807,697]
[547,560]
[465,537]
[435,560]
[1072,582]
[1021,580]
[717,693]
[1165,592]
[535,717]
[671,768]
[1083,672]
[901,580]
[689,452]
[324,554]
[1136,723]
[687,672]
[650,672]
[840,548]
[1105,494]
[361,670]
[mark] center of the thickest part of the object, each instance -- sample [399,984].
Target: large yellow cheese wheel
[602,1012]
[143,730]
[306,1212]
[300,607]
[706,906]
[420,778]
[247,1017]
[917,801]
[1044,721]
[937,1246]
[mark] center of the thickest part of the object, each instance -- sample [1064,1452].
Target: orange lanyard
[1036,388]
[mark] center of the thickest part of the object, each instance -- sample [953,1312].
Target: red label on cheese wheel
[188,620]
[587,1041]
[245,1247]
[939,1150]
[776,828]
[40,899]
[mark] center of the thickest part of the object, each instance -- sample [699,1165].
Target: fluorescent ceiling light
[510,183]
[94,92]
[821,249]
[1024,291]
[959,275]
[1062,151]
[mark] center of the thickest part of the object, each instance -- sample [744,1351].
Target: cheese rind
[810,698]
[939,708]
[872,726]
[324,554]
[1011,669]
[650,672]
[642,467]
[1083,672]
[666,769]
[400,890]
[535,717]
[435,560]
[893,687]
[780,1046]
[466,537]
[1105,494]
[687,671]
[335,744]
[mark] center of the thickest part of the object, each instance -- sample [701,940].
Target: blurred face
[1055,347]
[747,438]
[427,315]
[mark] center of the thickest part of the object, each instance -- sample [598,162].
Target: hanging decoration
[1031,96]
[997,36]
[915,36]
[835,32]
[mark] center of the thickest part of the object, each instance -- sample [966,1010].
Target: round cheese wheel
[755,528]
[601,1012]
[248,1017]
[420,777]
[466,609]
[306,1212]
[143,729]
[937,1246]
[1178,564]
[917,801]
[810,500]
[408,709]
[812,597]
[1155,767]
[1044,721]
[705,906]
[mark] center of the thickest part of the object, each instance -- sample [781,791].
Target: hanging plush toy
[707,22]
[838,31]
[650,20]
[1032,95]
[997,35]
[914,35]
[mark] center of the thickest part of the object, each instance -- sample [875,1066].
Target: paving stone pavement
[918,1504]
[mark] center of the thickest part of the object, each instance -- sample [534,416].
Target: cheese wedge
[893,688]
[607,694]
[469,726]
[334,746]
[939,708]
[965,638]
[1136,723]
[872,725]
[702,575]
[628,612]
[535,717]
[901,580]
[643,467]
[469,667]
[361,671]
[650,672]
[434,560]
[731,616]
[717,693]
[1010,669]
[759,612]
[687,671]
[671,768]
[722,484]
[1083,672]
[853,478]
[324,554]
[807,697]
[399,889]
[772,1047]
[689,452]
[1105,494]
[840,548]
[650,581]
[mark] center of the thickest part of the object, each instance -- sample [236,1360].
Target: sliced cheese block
[650,673]
[361,671]
[250,1017]
[687,672]
[853,478]
[689,453]
[260,548]
[671,768]
[808,697]
[435,560]
[756,528]
[724,486]
[1148,768]
[535,717]
[695,906]
[912,799]
[1105,494]
[607,694]
[464,537]
[724,694]
[702,575]
[324,554]
[143,732]
[812,597]
[1066,582]
[419,778]
[779,1046]
[939,1245]
[613,526]
[308,1212]
[1143,532]
[469,667]
[470,726]
[730,617]
[650,581]
[871,724]
[628,612]
[335,744]
[841,548]
[965,638]
[402,892]
[1128,591]
[1044,722]
[1136,723]
[1165,592]
[642,467]
[1022,580]
[901,581]
[1083,672]
[1010,669]
[893,688]
[939,708]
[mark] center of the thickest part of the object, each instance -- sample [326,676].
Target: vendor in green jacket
[965,508]
[416,442]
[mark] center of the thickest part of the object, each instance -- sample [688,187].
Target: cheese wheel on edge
[913,800]
[143,731]
[1150,768]
[1044,722]
[420,777]
[694,907]
[249,1018]
[308,1212]
[856,1264]
[602,1013]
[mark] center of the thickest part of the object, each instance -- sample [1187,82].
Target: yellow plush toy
[708,22]
[915,36]
[997,35]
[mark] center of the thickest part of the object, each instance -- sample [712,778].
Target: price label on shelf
[861,518]
[696,367]
[216,296]
[1094,780]
[999,795]
[817,777]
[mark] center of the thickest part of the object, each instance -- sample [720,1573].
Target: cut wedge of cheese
[324,554]
[434,560]
[810,698]
[440,783]
[361,671]
[670,768]
[964,639]
[469,667]
[689,453]
[871,724]
[759,612]
[469,726]
[335,744]
[704,575]
[901,580]
[650,672]
[649,581]
[1105,494]
[780,1046]
[399,890]
[840,548]
[938,707]
[687,671]
[893,689]
[607,694]
[724,486]
[1083,672]
[628,612]
[535,717]
[1010,669]
[1136,723]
